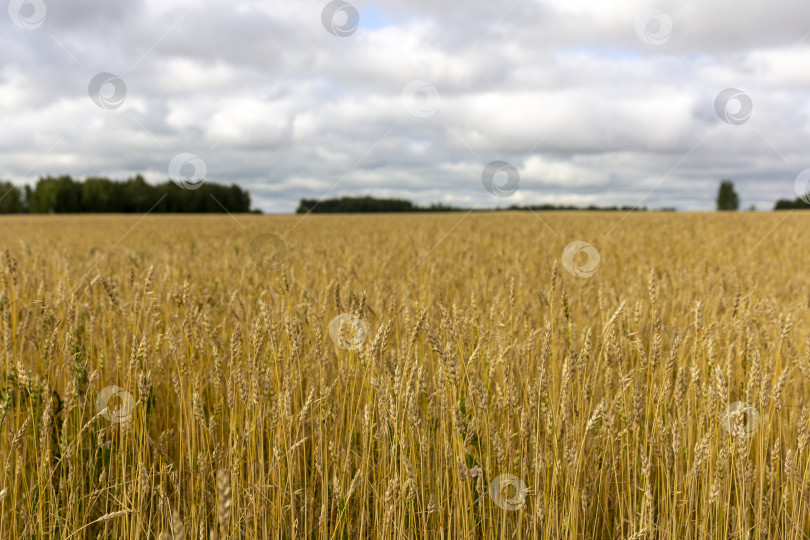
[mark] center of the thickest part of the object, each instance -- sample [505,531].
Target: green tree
[99,195]
[727,198]
[11,200]
[44,196]
[29,194]
[138,195]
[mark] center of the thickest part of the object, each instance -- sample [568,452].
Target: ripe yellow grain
[495,394]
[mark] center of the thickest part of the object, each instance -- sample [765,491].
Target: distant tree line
[351,205]
[547,207]
[796,204]
[63,194]
[727,200]
[354,204]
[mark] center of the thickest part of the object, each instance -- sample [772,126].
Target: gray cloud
[568,93]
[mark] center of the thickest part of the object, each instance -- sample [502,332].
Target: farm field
[405,376]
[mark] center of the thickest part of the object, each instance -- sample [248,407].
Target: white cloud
[566,92]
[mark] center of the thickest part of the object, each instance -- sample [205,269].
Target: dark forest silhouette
[350,205]
[63,194]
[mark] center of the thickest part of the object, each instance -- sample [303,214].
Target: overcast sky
[590,102]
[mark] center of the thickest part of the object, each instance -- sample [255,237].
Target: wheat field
[405,376]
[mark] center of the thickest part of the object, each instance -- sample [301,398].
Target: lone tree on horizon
[727,198]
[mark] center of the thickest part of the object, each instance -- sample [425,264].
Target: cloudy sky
[580,101]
